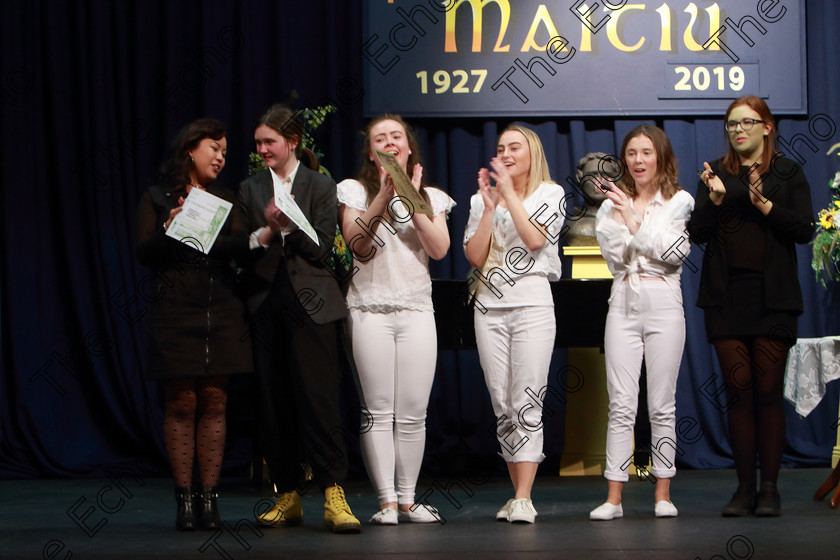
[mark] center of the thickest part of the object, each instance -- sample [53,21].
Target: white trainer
[387,516]
[522,511]
[606,512]
[665,509]
[421,513]
[504,512]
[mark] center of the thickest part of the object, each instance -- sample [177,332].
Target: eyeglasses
[746,124]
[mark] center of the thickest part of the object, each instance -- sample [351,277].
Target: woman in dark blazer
[753,206]
[296,306]
[197,320]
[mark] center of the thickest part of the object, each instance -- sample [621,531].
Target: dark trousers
[296,362]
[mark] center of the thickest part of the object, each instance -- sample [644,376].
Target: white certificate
[289,207]
[200,220]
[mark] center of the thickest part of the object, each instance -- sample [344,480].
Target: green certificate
[200,220]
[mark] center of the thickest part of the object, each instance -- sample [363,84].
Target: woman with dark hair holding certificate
[197,320]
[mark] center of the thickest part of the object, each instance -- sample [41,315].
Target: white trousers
[514,348]
[395,356]
[655,331]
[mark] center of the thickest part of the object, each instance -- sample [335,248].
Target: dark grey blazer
[318,290]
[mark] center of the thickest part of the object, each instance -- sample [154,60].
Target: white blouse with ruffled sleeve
[395,275]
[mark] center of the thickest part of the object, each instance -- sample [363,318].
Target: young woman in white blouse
[511,238]
[391,321]
[641,231]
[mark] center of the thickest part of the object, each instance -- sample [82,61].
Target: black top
[737,235]
[745,243]
[197,322]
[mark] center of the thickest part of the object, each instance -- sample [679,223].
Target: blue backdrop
[92,93]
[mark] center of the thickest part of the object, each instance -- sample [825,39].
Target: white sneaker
[606,512]
[387,516]
[502,514]
[665,509]
[421,513]
[522,511]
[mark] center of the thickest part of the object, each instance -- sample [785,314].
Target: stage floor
[132,519]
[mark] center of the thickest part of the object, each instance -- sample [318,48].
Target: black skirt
[197,325]
[744,315]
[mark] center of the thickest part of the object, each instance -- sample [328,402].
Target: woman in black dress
[753,206]
[197,322]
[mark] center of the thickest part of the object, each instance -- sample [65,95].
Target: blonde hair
[538,173]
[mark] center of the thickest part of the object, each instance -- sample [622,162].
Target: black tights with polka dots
[194,421]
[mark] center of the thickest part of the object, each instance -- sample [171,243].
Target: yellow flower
[826,219]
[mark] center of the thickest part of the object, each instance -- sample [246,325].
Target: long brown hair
[285,122]
[369,173]
[732,159]
[667,169]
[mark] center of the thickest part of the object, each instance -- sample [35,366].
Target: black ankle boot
[742,504]
[208,510]
[768,503]
[185,519]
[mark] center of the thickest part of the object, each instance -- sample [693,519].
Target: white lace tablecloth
[812,362]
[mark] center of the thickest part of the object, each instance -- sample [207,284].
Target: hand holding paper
[275,219]
[287,205]
[174,212]
[199,220]
[404,186]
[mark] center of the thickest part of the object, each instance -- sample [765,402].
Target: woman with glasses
[753,206]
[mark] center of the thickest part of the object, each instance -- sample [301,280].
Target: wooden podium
[584,452]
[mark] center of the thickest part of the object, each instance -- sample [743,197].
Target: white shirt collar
[658,198]
[290,180]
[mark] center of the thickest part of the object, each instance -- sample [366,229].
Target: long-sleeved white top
[657,249]
[396,275]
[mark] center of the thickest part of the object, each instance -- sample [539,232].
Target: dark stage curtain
[92,92]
